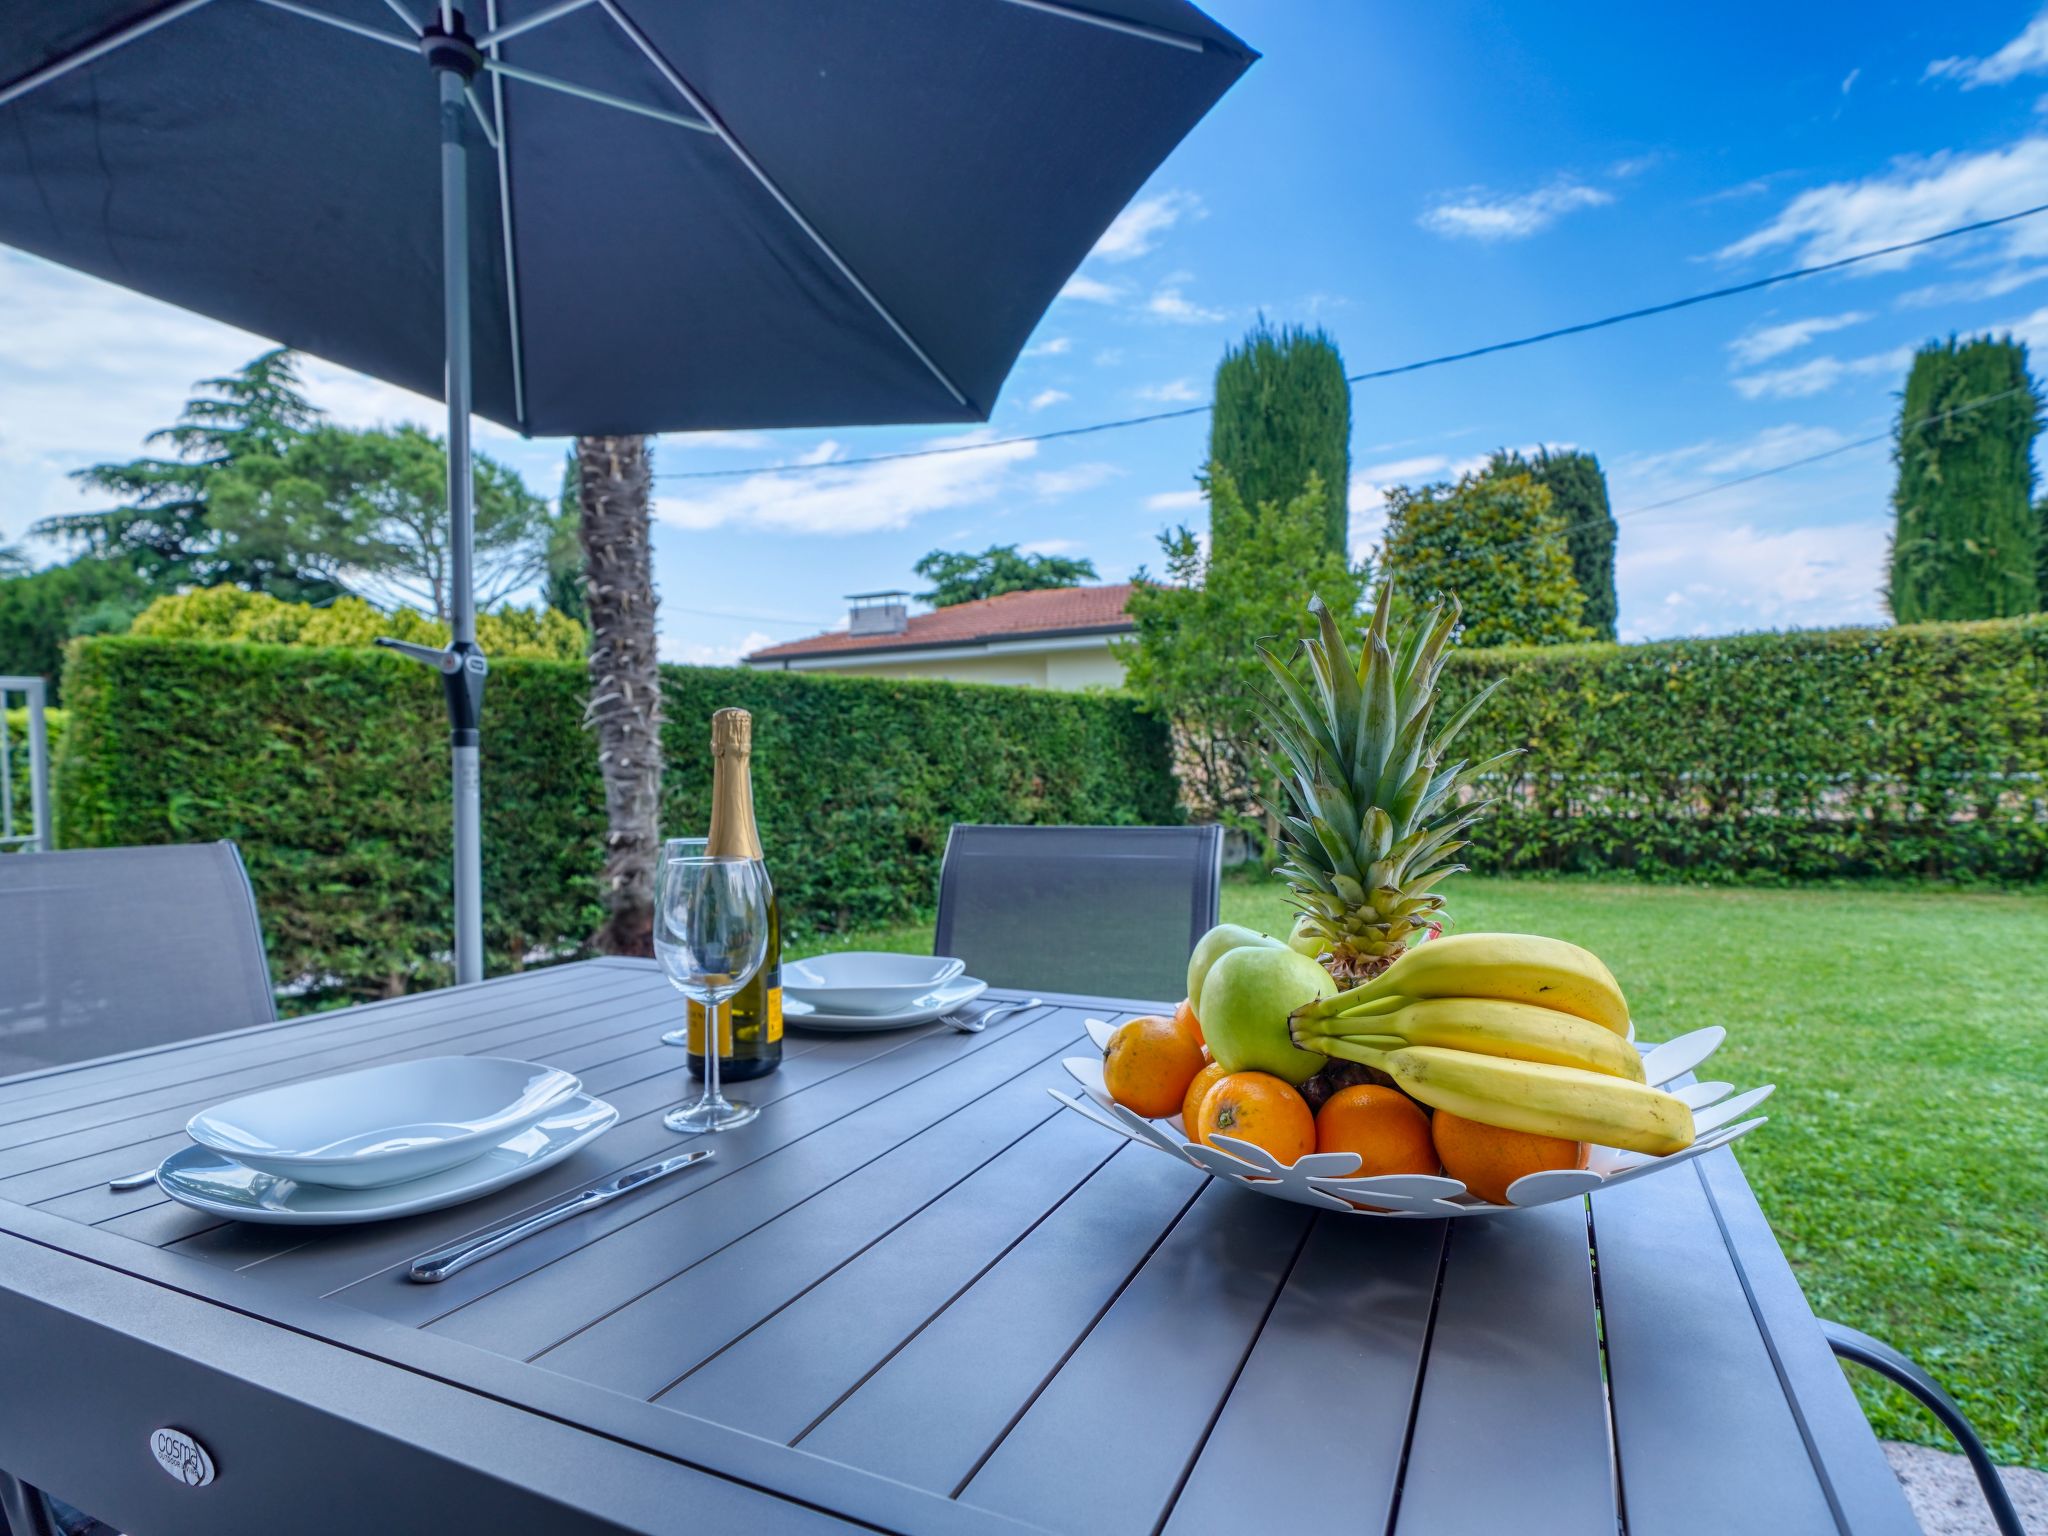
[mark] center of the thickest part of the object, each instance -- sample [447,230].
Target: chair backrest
[1106,910]
[104,950]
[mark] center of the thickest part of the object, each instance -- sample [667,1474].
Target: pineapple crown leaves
[1364,780]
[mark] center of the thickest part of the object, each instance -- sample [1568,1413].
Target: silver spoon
[977,1024]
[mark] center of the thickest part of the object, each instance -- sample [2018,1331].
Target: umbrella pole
[465,688]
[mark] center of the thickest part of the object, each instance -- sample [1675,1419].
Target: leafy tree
[1193,658]
[162,524]
[1966,541]
[958,577]
[366,512]
[1578,492]
[1494,541]
[562,586]
[40,610]
[1282,413]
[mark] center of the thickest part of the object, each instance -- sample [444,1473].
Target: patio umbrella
[601,216]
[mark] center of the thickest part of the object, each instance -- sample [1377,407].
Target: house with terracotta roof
[1057,638]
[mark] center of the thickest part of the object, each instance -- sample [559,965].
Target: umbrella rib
[57,68]
[411,21]
[539,18]
[343,23]
[505,224]
[1112,24]
[703,109]
[550,83]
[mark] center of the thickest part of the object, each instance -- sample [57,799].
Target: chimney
[879,613]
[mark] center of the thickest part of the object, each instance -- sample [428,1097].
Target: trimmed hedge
[1915,752]
[20,781]
[329,768]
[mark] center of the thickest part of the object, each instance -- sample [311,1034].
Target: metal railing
[38,839]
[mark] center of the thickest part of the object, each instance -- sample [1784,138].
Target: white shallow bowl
[383,1125]
[940,1001]
[1326,1180]
[862,981]
[220,1186]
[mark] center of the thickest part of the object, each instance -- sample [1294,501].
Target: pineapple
[1368,811]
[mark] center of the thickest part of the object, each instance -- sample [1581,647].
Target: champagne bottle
[749,1023]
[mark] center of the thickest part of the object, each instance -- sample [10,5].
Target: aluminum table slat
[913,1296]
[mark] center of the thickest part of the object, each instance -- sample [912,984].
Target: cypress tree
[1965,543]
[1283,412]
[1578,492]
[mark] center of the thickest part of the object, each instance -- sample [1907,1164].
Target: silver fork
[979,1022]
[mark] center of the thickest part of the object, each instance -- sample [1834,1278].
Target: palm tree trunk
[614,478]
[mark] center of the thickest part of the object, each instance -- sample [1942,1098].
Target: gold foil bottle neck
[732,731]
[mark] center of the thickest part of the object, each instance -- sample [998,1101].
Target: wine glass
[711,936]
[680,848]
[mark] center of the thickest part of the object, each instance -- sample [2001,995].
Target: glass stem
[711,1093]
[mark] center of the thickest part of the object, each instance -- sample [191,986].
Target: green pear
[1213,946]
[1246,999]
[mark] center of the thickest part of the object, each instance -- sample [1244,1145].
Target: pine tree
[1494,542]
[1578,493]
[1965,543]
[1283,412]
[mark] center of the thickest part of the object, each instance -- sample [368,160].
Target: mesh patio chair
[1105,910]
[106,950]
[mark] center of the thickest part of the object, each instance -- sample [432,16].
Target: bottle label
[773,1010]
[771,1033]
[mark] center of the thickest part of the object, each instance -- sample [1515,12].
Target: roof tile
[1014,615]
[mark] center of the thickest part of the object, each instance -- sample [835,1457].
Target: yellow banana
[1491,1028]
[1508,967]
[1534,1096]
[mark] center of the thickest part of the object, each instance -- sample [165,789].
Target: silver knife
[429,1268]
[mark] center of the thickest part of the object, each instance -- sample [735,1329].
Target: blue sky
[1417,179]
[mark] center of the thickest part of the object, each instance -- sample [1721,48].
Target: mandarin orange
[1489,1158]
[1382,1125]
[1198,1090]
[1149,1064]
[1184,1016]
[1262,1109]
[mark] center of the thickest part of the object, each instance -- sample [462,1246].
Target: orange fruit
[1489,1158]
[1198,1090]
[1382,1125]
[1184,1016]
[1262,1109]
[1149,1064]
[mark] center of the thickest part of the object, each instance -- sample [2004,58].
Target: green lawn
[1905,1167]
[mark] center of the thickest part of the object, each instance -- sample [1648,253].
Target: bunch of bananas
[1508,1029]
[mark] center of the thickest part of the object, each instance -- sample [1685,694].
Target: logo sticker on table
[181,1457]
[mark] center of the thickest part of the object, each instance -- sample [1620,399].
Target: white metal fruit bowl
[1323,1179]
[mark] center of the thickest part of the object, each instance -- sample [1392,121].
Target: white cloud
[1052,346]
[1136,231]
[1172,392]
[700,654]
[1046,398]
[1916,197]
[1759,343]
[1849,80]
[1705,575]
[1477,214]
[1817,375]
[1172,304]
[1173,501]
[1090,290]
[1635,165]
[858,499]
[1109,357]
[1048,547]
[2026,54]
[1992,285]
[1051,484]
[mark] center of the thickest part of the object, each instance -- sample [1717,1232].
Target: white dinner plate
[383,1125]
[866,981]
[206,1181]
[937,1003]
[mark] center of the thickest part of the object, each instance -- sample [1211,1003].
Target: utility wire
[1439,361]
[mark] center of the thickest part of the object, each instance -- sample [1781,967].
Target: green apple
[1213,946]
[1246,999]
[1303,942]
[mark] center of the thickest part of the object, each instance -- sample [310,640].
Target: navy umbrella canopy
[602,216]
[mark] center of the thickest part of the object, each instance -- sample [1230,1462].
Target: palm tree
[614,478]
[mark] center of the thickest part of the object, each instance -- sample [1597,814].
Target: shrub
[229,613]
[329,767]
[1917,752]
[1495,542]
[20,784]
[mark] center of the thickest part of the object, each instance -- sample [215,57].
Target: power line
[1438,361]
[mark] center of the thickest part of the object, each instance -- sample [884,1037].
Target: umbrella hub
[453,50]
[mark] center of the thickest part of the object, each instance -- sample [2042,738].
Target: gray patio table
[914,1296]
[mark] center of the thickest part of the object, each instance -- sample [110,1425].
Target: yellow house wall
[1089,667]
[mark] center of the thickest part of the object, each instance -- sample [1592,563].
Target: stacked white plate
[384,1141]
[860,990]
